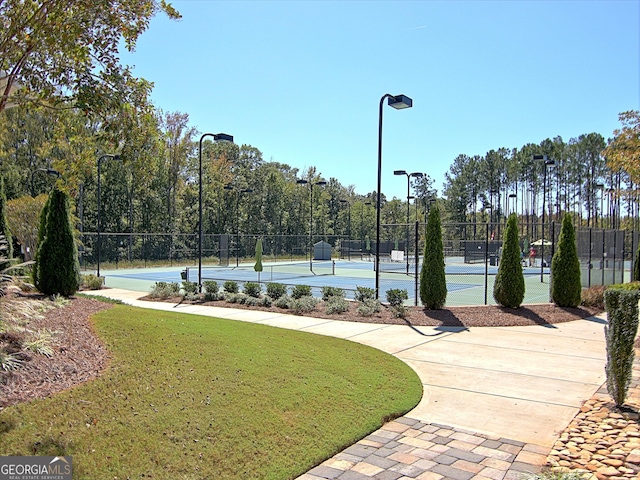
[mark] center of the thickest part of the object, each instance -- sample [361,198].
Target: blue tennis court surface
[464,281]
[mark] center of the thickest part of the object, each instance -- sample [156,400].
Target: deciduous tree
[623,151]
[23,215]
[68,51]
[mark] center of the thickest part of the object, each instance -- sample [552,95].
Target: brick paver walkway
[409,449]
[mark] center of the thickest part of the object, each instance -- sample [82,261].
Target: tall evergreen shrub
[4,226]
[565,268]
[636,266]
[508,289]
[433,284]
[57,259]
[620,333]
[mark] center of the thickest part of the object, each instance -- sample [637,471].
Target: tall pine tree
[433,284]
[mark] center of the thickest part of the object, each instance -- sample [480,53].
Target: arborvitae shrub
[620,334]
[433,284]
[57,260]
[636,265]
[566,288]
[508,289]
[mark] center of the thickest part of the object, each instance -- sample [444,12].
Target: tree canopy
[623,152]
[57,52]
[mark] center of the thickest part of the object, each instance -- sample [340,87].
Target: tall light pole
[398,102]
[112,157]
[409,175]
[311,185]
[547,162]
[238,192]
[222,137]
[346,202]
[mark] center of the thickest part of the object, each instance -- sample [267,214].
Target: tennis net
[270,273]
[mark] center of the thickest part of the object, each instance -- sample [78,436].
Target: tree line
[153,185]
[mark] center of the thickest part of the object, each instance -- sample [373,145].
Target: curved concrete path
[502,395]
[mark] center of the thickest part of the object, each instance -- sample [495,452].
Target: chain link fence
[472,255]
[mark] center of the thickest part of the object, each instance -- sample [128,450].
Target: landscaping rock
[602,440]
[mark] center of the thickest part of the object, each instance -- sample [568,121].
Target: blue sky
[302,80]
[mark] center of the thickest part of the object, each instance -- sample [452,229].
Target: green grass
[190,397]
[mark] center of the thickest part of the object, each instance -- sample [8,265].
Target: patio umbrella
[538,243]
[258,266]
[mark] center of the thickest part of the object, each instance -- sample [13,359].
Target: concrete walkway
[495,399]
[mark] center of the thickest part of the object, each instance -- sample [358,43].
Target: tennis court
[467,284]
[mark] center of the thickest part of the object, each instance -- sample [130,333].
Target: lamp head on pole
[301,182]
[321,183]
[416,175]
[399,172]
[223,137]
[400,101]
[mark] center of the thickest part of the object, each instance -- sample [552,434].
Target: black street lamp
[238,192]
[409,175]
[348,227]
[311,185]
[48,171]
[222,137]
[547,162]
[398,102]
[112,157]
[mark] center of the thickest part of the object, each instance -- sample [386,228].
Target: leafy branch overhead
[66,53]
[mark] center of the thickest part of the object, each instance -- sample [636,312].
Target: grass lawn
[190,397]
